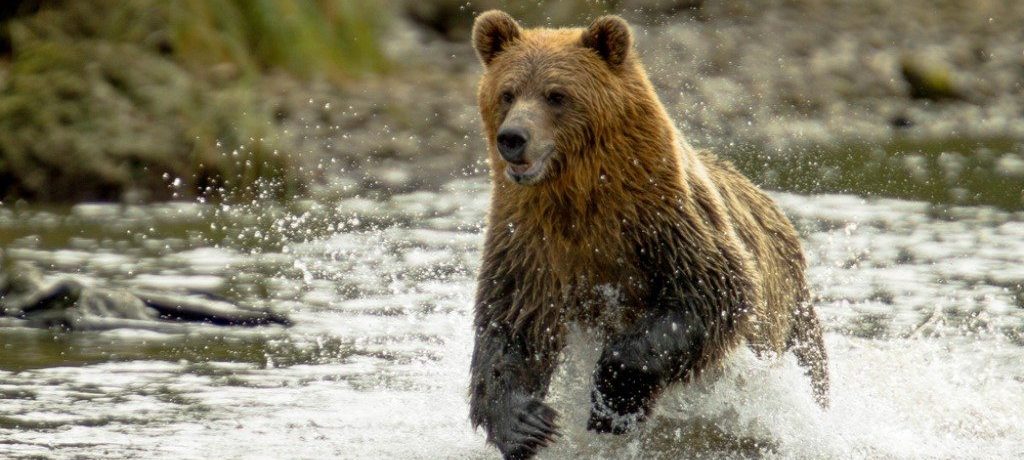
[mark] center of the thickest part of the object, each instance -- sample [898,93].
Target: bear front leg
[635,367]
[509,382]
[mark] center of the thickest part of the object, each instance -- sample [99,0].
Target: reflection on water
[924,308]
[960,172]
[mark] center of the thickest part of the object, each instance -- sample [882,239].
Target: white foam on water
[912,398]
[919,314]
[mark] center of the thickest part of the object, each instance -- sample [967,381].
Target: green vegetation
[162,99]
[310,38]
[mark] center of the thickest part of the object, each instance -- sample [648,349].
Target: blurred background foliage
[102,98]
[336,38]
[143,100]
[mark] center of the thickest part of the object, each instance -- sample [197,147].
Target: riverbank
[818,83]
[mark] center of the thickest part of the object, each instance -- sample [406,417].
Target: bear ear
[610,37]
[493,31]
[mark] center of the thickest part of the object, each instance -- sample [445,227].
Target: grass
[142,92]
[337,39]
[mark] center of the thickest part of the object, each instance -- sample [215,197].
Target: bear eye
[555,98]
[507,97]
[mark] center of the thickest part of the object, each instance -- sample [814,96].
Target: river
[923,307]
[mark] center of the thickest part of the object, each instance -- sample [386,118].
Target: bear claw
[531,426]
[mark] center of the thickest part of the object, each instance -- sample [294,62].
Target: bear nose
[512,144]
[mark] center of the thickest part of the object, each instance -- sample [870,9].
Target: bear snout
[512,144]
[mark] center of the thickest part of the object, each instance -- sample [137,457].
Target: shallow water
[923,305]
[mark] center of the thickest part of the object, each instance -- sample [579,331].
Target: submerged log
[205,310]
[68,304]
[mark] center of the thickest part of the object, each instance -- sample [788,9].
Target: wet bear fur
[603,216]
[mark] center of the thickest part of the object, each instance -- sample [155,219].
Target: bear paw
[622,396]
[528,426]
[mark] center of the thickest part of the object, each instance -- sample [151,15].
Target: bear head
[550,97]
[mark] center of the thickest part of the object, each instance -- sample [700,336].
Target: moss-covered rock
[929,78]
[151,99]
[76,120]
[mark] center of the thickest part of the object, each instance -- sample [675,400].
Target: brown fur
[625,199]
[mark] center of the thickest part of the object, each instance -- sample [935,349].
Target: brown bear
[595,191]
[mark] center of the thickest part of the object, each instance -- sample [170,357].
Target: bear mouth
[530,172]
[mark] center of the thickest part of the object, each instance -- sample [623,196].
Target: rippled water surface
[924,310]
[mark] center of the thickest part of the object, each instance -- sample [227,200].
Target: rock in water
[929,78]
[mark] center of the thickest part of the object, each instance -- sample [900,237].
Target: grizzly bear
[594,190]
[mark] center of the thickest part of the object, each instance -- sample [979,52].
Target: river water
[923,306]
